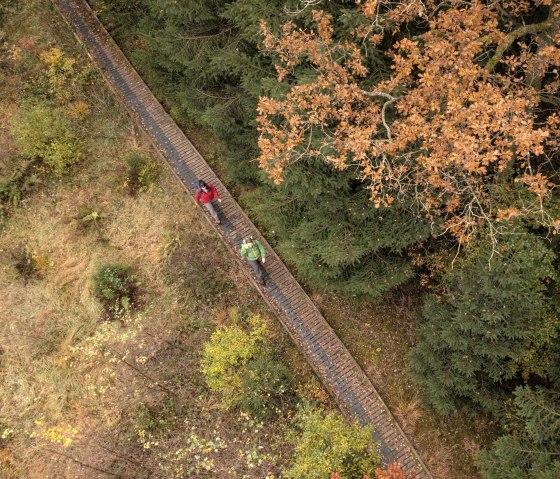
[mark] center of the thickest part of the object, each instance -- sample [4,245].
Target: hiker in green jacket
[253,251]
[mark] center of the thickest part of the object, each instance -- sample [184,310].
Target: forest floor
[84,397]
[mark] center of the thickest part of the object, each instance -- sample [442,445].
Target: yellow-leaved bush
[45,133]
[60,73]
[229,348]
[324,443]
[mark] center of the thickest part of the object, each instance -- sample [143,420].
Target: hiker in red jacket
[205,193]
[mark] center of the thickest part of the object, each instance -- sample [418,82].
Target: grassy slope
[149,385]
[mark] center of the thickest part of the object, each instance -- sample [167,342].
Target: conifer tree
[201,59]
[493,326]
[532,448]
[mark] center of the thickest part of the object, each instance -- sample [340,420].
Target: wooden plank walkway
[327,355]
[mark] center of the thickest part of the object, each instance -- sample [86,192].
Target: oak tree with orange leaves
[464,123]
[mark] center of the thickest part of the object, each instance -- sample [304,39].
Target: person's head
[203,185]
[249,241]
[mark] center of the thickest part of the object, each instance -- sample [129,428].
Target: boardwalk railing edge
[417,462]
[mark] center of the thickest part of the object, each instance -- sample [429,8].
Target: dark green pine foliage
[531,450]
[490,329]
[121,17]
[324,224]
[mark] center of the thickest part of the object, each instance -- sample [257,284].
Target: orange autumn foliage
[455,117]
[394,471]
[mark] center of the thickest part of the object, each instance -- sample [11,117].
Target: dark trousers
[257,268]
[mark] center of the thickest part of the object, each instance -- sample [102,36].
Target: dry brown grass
[46,317]
[440,461]
[408,412]
[189,282]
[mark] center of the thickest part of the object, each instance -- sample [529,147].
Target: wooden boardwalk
[322,348]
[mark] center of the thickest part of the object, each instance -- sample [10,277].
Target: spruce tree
[531,450]
[201,59]
[493,326]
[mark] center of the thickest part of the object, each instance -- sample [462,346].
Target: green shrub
[325,443]
[115,286]
[265,383]
[44,133]
[154,418]
[60,73]
[228,350]
[142,172]
[237,366]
